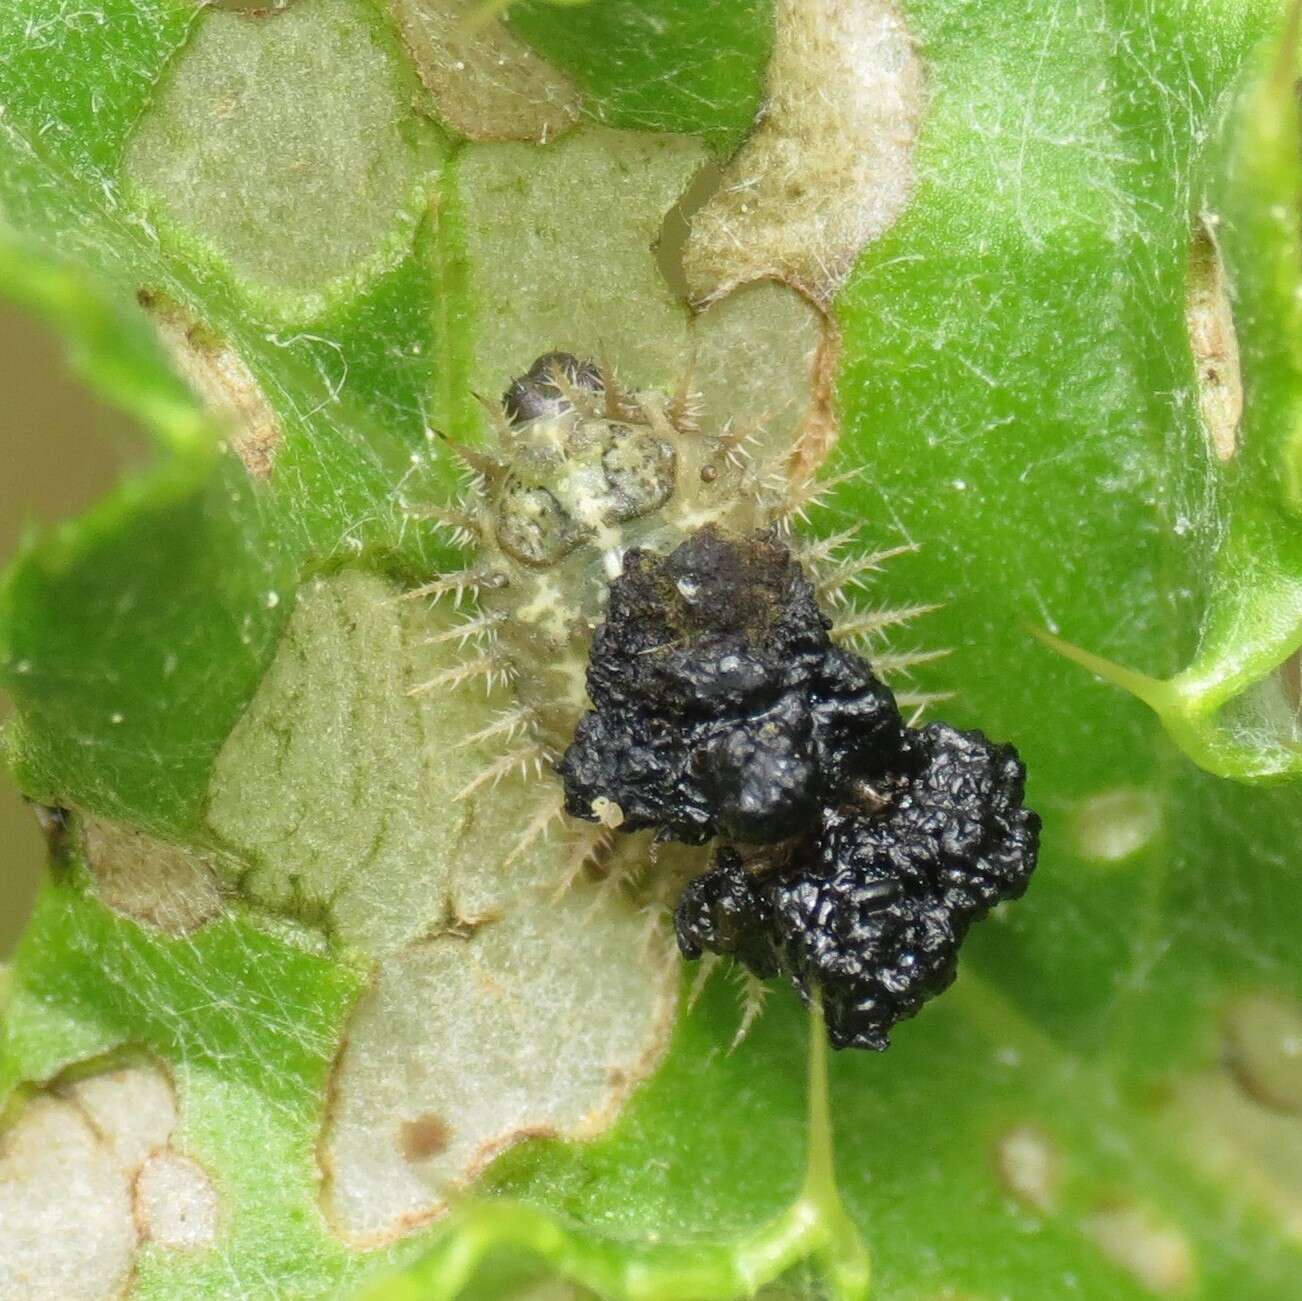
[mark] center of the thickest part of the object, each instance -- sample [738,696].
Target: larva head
[549,386]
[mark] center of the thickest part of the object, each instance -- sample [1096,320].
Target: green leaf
[687,66]
[1234,708]
[127,750]
[813,1225]
[246,1023]
[264,238]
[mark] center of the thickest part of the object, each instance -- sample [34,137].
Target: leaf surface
[1083,1113]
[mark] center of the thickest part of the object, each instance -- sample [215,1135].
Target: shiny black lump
[723,709]
[873,905]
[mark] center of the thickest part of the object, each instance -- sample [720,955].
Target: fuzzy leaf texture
[289,1016]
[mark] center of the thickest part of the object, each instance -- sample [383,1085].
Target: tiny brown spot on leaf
[425,1137]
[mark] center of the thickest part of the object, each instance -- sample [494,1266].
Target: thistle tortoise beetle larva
[586,475]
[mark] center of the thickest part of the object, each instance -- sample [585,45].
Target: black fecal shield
[721,706]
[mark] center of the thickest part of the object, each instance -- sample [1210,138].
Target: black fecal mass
[722,708]
[872,906]
[536,394]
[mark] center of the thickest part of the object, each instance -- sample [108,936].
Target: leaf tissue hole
[1212,338]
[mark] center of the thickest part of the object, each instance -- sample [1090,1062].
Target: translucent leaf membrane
[486,82]
[684,66]
[254,144]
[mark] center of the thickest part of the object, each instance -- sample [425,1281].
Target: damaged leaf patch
[222,381]
[830,165]
[51,1145]
[486,1022]
[102,1141]
[764,359]
[171,887]
[1215,345]
[288,149]
[469,1043]
[338,794]
[581,219]
[333,788]
[486,82]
